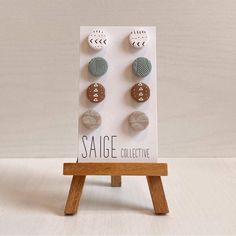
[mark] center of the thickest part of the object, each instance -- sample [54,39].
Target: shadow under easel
[38,190]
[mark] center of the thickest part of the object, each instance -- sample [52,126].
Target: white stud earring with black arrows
[97,40]
[138,38]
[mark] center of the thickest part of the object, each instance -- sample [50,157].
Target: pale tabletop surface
[201,195]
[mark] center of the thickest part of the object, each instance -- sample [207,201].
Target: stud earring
[91,119]
[95,93]
[140,92]
[97,40]
[138,38]
[98,66]
[138,121]
[141,67]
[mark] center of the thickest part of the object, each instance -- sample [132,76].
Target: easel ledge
[153,172]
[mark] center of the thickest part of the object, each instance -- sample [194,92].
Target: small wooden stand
[152,171]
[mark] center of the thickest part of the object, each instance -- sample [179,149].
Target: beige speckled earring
[138,120]
[91,119]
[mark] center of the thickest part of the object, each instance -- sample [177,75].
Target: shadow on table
[33,189]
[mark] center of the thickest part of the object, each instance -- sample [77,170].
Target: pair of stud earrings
[141,67]
[137,120]
[98,39]
[140,92]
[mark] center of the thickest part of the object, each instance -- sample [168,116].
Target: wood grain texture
[74,195]
[157,194]
[81,170]
[152,169]
[196,55]
[116,181]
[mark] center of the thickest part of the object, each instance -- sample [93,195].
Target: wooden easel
[152,171]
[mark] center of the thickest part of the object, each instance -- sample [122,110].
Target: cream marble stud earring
[91,119]
[138,121]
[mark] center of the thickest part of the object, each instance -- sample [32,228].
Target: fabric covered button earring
[91,119]
[141,67]
[98,66]
[140,92]
[95,93]
[138,38]
[138,121]
[97,40]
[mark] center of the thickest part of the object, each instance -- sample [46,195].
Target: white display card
[115,140]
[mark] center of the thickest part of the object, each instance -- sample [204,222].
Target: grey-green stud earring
[91,119]
[141,67]
[98,66]
[138,121]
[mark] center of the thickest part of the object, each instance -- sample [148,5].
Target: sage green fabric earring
[98,66]
[141,67]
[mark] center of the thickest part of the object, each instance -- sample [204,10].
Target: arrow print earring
[138,38]
[97,40]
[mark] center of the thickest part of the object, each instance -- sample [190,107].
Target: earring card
[115,140]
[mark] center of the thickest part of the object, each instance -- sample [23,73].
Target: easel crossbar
[145,169]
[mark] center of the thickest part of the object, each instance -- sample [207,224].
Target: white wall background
[39,71]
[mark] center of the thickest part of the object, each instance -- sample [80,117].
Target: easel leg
[74,195]
[115,181]
[157,194]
